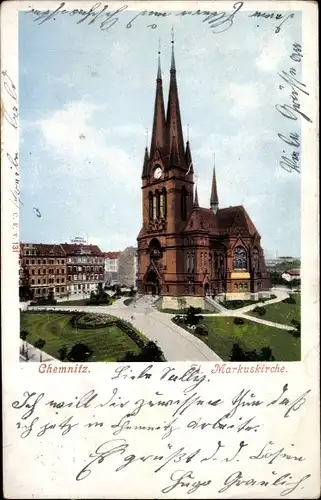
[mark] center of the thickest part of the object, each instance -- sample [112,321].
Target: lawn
[223,333]
[108,344]
[282,312]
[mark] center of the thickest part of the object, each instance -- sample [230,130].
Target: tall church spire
[173,117]
[196,205]
[214,195]
[159,123]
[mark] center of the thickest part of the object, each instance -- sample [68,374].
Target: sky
[86,98]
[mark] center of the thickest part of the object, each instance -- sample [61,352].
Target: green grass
[108,344]
[223,333]
[282,312]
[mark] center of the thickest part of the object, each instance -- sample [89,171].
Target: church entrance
[152,286]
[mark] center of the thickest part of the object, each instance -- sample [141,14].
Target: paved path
[34,354]
[176,343]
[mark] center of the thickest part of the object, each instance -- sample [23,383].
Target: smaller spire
[214,195]
[146,163]
[159,70]
[173,68]
[188,158]
[196,205]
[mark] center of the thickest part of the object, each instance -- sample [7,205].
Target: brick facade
[184,249]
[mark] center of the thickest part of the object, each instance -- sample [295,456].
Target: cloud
[244,98]
[82,150]
[272,55]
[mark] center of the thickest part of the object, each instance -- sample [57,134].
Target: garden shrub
[259,310]
[289,300]
[238,321]
[201,330]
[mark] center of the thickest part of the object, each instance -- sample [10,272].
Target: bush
[289,300]
[240,354]
[149,352]
[201,330]
[238,321]
[259,310]
[79,352]
[62,353]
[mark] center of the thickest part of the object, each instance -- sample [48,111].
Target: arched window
[150,205]
[162,204]
[256,259]
[240,258]
[193,262]
[154,207]
[157,196]
[201,261]
[187,262]
[184,203]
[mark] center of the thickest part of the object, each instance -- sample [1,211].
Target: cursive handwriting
[290,159]
[237,479]
[219,22]
[185,480]
[10,88]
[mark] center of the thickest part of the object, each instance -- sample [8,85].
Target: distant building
[111,267]
[292,274]
[127,267]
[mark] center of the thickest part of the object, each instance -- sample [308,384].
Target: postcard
[160,333]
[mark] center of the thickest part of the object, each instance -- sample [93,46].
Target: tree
[39,344]
[79,352]
[193,315]
[62,353]
[25,291]
[23,335]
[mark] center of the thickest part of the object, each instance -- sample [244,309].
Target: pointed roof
[214,195]
[188,158]
[173,116]
[159,123]
[196,205]
[146,163]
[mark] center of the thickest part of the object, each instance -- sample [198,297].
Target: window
[32,282]
[44,281]
[187,262]
[154,206]
[62,280]
[240,258]
[192,262]
[58,261]
[62,289]
[39,271]
[183,203]
[58,271]
[201,261]
[32,271]
[57,288]
[39,261]
[62,261]
[75,277]
[44,261]
[62,271]
[256,260]
[38,282]
[27,261]
[57,280]
[44,271]
[163,204]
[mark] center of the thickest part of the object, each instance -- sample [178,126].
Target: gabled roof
[225,221]
[111,255]
[75,249]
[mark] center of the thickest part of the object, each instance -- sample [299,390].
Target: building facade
[111,260]
[127,269]
[63,269]
[85,267]
[44,267]
[185,250]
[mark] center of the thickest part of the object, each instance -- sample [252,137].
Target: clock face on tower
[158,172]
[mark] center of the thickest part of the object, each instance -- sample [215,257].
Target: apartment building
[111,260]
[85,267]
[63,269]
[44,267]
[127,267]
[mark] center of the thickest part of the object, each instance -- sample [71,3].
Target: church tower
[167,194]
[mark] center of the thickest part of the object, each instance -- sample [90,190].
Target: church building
[187,252]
